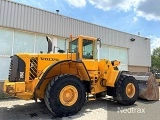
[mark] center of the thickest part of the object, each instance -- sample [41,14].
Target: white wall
[16,41]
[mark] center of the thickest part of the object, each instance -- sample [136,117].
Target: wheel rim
[68,95]
[130,90]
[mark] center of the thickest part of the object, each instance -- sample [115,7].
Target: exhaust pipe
[49,44]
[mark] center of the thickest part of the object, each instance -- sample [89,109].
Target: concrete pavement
[101,109]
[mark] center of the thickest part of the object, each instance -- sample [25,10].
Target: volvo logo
[50,59]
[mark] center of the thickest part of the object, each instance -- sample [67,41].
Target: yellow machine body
[35,71]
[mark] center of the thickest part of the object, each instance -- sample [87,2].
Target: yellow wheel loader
[65,80]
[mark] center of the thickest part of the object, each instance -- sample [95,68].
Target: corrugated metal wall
[24,17]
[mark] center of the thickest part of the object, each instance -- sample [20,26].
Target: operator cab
[84,47]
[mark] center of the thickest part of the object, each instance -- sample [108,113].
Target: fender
[43,78]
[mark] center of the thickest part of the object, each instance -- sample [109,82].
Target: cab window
[73,48]
[87,49]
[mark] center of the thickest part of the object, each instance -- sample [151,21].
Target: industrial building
[23,30]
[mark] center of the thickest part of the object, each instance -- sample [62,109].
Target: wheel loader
[65,80]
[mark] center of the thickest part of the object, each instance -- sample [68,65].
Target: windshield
[73,46]
[87,49]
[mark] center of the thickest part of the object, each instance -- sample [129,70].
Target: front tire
[127,90]
[65,95]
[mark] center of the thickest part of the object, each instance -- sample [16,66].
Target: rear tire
[127,90]
[65,95]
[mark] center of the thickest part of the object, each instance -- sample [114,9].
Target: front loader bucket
[148,86]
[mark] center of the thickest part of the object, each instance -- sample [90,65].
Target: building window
[4,63]
[23,42]
[6,40]
[41,44]
[62,43]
